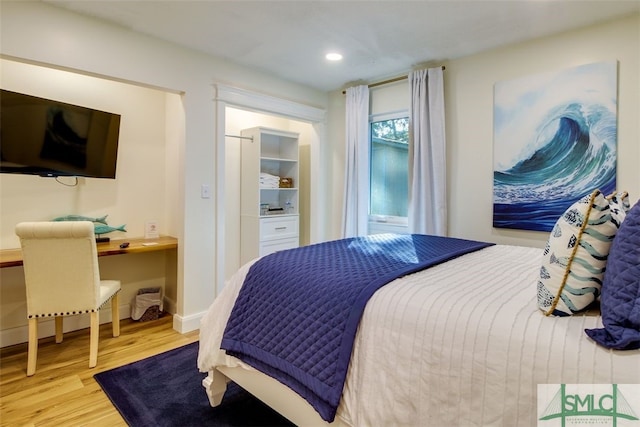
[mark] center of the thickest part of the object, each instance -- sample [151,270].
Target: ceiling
[378,39]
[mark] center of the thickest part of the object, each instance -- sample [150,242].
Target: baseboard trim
[184,324]
[46,326]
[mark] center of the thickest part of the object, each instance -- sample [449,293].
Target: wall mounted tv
[50,138]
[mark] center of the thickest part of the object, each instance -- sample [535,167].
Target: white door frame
[224,96]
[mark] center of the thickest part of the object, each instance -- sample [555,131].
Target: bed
[460,343]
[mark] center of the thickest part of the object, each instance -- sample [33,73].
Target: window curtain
[427,154]
[356,194]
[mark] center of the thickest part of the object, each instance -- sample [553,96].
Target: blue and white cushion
[619,205]
[575,256]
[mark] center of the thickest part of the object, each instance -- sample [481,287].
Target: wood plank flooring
[63,392]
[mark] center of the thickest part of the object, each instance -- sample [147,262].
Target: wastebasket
[147,304]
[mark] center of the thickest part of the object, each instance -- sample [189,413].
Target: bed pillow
[620,300]
[576,253]
[619,205]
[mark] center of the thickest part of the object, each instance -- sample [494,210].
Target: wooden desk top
[13,257]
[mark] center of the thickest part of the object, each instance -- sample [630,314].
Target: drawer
[278,228]
[272,246]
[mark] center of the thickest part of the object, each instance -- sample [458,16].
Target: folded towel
[268,175]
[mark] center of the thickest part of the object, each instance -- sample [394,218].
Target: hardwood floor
[63,392]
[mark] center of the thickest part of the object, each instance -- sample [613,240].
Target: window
[389,181]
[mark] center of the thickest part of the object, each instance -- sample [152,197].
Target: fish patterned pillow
[619,205]
[575,256]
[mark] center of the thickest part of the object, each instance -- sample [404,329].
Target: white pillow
[619,205]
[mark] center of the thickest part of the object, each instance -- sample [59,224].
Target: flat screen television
[44,137]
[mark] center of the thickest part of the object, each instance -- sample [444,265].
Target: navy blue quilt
[297,313]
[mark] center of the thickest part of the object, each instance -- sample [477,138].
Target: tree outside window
[389,182]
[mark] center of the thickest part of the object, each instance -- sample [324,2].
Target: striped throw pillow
[575,256]
[619,205]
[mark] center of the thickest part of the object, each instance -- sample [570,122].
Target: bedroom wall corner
[469,86]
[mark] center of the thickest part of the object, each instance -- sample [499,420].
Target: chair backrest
[60,267]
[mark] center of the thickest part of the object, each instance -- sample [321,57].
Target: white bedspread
[459,344]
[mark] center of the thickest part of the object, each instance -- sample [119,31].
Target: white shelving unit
[262,232]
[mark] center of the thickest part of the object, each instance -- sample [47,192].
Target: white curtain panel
[356,193]
[427,154]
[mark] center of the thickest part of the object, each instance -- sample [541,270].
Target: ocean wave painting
[555,140]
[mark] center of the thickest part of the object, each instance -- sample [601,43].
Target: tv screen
[50,138]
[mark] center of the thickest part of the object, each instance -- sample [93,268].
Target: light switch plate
[205,191]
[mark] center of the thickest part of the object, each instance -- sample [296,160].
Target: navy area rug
[166,390]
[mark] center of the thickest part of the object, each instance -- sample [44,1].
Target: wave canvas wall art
[555,140]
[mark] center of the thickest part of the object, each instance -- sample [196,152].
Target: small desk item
[13,257]
[151,230]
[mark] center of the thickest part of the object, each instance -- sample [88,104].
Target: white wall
[136,195]
[139,193]
[469,111]
[39,33]
[469,120]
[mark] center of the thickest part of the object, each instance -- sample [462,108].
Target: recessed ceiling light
[333,56]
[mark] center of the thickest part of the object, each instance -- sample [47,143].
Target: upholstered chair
[62,279]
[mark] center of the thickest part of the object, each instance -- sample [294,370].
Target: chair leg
[93,339]
[32,356]
[115,316]
[59,329]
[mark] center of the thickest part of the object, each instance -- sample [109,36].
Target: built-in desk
[13,257]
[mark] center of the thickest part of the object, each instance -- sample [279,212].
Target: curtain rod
[384,82]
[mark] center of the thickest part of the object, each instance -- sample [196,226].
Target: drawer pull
[281,228]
